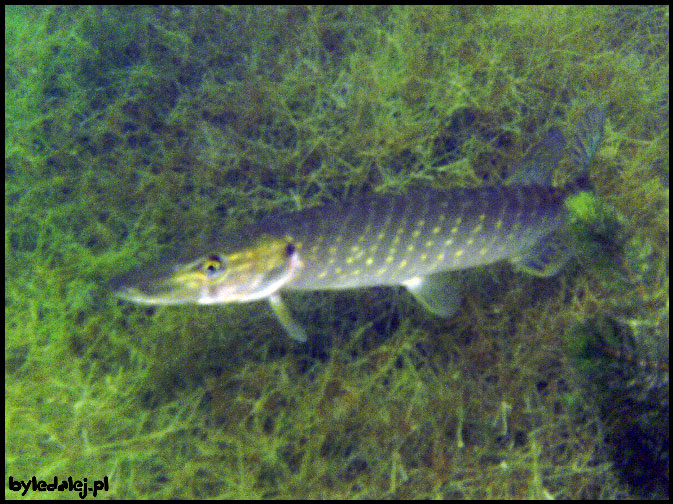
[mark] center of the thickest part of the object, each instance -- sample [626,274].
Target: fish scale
[388,240]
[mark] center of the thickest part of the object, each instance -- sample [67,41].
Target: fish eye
[289,250]
[212,265]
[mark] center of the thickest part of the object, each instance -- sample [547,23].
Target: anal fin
[546,257]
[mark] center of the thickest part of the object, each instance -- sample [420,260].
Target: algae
[134,131]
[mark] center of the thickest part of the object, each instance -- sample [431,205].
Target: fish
[414,240]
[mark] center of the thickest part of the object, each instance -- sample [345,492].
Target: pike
[409,240]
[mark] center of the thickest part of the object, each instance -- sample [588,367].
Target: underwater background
[134,131]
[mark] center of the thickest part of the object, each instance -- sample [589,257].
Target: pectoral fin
[282,313]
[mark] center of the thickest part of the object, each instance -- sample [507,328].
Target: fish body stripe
[387,240]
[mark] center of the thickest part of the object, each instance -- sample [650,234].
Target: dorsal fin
[538,165]
[584,144]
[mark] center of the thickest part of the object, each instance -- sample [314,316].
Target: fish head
[253,272]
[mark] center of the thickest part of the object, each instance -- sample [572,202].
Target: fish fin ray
[282,313]
[436,293]
[546,257]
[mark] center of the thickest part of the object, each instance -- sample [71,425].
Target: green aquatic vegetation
[133,131]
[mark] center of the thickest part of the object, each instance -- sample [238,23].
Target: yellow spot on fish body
[477,229]
[338,271]
[410,248]
[349,260]
[436,230]
[396,240]
[322,274]
[381,236]
[420,223]
[498,224]
[429,243]
[440,257]
[459,221]
[381,271]
[332,251]
[369,261]
[458,253]
[416,233]
[454,230]
[403,264]
[448,242]
[390,259]
[355,248]
[470,241]
[482,217]
[483,251]
[424,257]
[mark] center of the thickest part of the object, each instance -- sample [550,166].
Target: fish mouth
[154,285]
